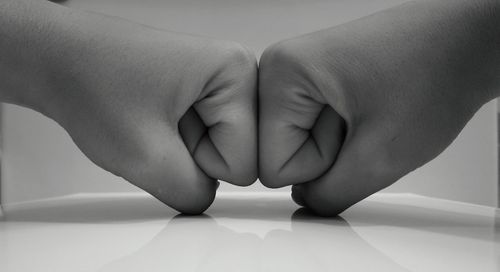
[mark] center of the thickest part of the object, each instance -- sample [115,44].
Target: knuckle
[241,59]
[234,73]
[281,53]
[285,67]
[288,56]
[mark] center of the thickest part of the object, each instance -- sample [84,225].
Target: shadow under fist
[170,113]
[403,90]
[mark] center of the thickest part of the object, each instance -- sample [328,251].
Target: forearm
[28,46]
[444,45]
[43,45]
[466,35]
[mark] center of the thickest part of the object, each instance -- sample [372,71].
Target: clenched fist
[347,111]
[343,112]
[171,113]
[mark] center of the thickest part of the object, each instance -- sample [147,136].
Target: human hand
[347,111]
[170,113]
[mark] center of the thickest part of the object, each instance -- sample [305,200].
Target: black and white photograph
[249,135]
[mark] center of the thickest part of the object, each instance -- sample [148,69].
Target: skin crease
[170,113]
[347,111]
[344,112]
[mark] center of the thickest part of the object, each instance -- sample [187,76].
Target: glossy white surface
[247,232]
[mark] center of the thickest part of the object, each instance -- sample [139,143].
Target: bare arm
[161,109]
[42,40]
[347,111]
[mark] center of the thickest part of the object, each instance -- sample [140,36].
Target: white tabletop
[254,231]
[247,232]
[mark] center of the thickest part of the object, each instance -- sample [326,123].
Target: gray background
[39,159]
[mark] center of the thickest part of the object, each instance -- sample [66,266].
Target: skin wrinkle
[220,125]
[297,100]
[402,82]
[120,90]
[405,81]
[285,164]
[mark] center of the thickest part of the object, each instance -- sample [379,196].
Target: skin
[347,111]
[344,112]
[170,113]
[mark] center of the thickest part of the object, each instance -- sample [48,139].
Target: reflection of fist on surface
[170,113]
[347,111]
[193,244]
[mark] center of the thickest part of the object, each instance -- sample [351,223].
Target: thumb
[169,173]
[364,166]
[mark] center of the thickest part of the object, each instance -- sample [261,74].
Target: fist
[347,111]
[170,113]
